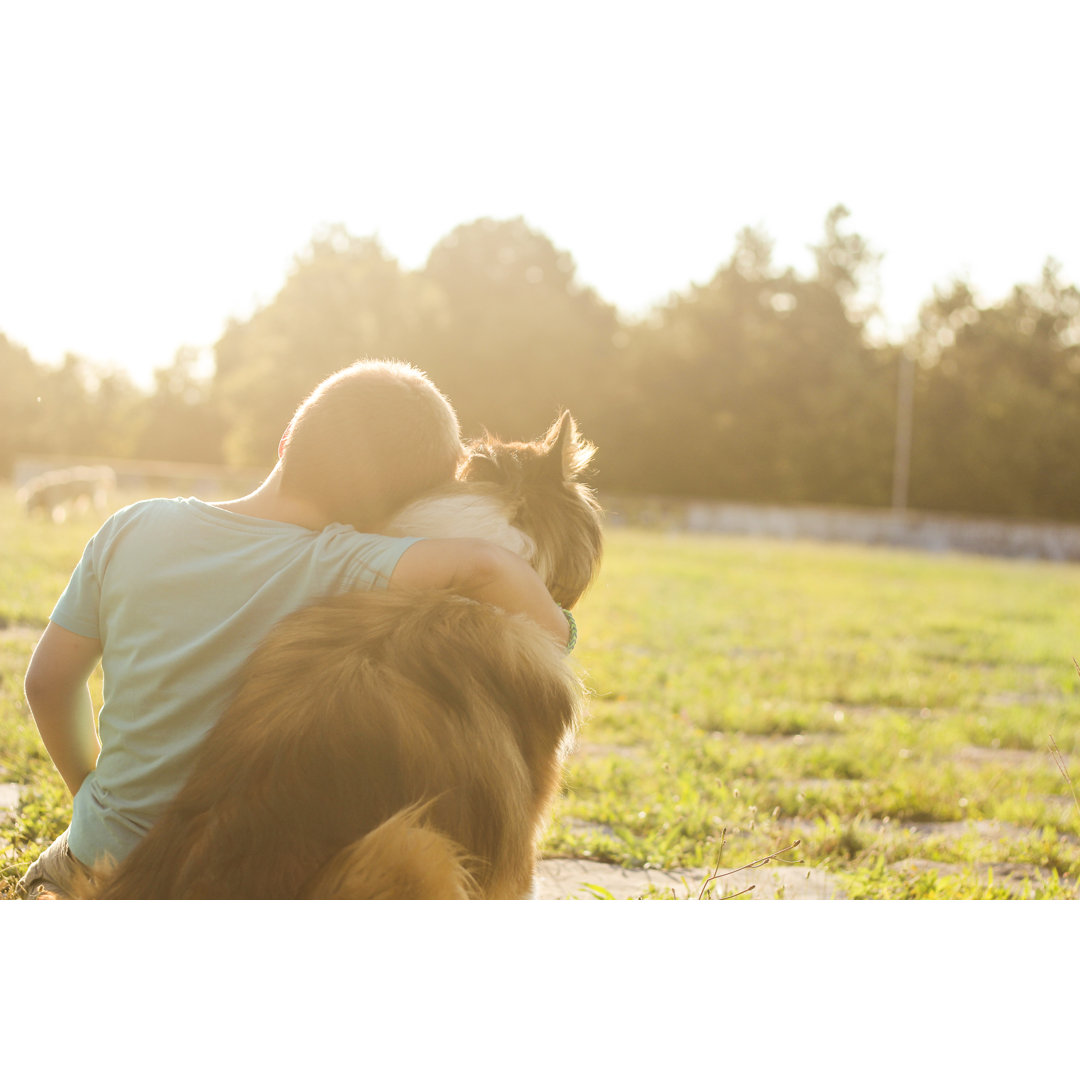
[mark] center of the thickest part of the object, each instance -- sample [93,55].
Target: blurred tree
[180,421]
[21,419]
[76,410]
[997,401]
[67,394]
[115,405]
[344,300]
[760,385]
[848,267]
[517,337]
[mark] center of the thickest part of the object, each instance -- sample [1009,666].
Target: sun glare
[168,189]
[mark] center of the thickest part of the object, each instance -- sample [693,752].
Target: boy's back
[179,593]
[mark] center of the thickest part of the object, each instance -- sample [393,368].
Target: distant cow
[59,492]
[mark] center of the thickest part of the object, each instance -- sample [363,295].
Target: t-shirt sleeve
[79,605]
[375,559]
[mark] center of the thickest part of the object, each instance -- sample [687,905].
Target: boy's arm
[59,699]
[484,572]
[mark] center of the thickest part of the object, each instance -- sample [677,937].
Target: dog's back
[349,713]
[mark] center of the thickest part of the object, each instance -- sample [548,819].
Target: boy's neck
[268,502]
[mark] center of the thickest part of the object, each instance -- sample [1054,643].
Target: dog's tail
[402,859]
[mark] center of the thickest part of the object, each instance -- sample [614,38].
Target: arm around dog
[481,571]
[59,699]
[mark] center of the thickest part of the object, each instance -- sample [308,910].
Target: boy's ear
[281,444]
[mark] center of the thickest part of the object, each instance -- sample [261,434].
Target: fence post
[905,399]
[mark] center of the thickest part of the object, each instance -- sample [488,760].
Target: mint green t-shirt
[180,593]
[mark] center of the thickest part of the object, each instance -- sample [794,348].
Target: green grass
[878,706]
[889,710]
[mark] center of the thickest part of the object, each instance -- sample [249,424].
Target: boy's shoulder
[152,518]
[147,506]
[143,508]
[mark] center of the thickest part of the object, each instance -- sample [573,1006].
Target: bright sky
[162,164]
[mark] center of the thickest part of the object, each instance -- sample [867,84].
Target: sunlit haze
[163,166]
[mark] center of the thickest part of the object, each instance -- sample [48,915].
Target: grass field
[891,711]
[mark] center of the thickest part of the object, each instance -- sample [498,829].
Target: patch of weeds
[839,839]
[709,886]
[1059,761]
[41,817]
[878,882]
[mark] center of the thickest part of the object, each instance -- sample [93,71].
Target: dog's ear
[566,453]
[480,464]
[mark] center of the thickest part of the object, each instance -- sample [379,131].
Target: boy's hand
[59,699]
[481,571]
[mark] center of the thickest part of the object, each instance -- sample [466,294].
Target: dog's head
[540,486]
[528,497]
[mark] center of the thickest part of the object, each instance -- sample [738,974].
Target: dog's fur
[395,745]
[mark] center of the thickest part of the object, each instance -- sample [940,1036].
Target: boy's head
[369,439]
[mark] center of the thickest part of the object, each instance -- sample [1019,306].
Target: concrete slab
[9,797]
[569,879]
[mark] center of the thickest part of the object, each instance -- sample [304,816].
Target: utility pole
[905,400]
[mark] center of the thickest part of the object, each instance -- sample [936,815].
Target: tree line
[762,384]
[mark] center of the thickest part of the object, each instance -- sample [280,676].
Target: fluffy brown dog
[396,745]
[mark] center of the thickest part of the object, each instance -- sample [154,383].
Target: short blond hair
[369,439]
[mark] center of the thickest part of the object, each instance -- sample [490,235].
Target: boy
[172,596]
